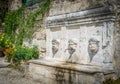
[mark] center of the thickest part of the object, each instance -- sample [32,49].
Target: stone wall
[68,6]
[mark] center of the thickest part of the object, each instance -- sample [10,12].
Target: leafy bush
[19,26]
[21,53]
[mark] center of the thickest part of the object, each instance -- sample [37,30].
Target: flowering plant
[5,41]
[9,50]
[17,54]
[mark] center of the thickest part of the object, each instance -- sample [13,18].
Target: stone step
[4,64]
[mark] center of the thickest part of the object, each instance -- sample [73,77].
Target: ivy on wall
[20,27]
[12,20]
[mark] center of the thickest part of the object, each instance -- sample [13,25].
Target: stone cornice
[82,17]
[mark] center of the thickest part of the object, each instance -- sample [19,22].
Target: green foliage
[12,21]
[28,25]
[16,20]
[23,53]
[20,27]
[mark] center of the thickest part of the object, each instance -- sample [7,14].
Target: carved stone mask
[55,46]
[93,46]
[72,46]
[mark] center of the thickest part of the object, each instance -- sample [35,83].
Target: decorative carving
[93,47]
[55,46]
[72,44]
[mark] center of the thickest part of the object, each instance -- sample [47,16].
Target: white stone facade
[99,28]
[84,49]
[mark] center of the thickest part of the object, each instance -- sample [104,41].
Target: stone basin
[88,68]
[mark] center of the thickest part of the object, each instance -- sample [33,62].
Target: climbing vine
[19,27]
[12,21]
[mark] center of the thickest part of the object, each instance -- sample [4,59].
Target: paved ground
[14,76]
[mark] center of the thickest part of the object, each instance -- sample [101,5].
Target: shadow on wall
[110,81]
[4,4]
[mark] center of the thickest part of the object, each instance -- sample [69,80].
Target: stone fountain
[80,48]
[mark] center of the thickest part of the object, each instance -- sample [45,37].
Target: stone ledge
[2,65]
[88,68]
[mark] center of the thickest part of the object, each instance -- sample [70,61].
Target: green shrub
[23,53]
